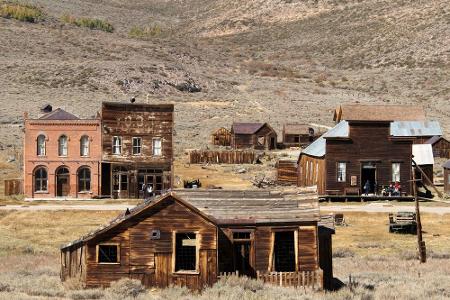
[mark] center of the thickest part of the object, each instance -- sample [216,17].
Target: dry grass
[94,24]
[21,12]
[145,32]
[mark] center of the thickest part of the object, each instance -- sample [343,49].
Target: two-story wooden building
[62,155]
[258,136]
[137,148]
[191,238]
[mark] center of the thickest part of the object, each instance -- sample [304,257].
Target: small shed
[259,136]
[441,146]
[192,238]
[297,135]
[221,137]
[423,156]
[447,177]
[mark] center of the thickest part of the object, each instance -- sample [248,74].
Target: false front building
[137,148]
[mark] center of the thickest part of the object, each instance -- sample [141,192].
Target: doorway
[284,251]
[62,182]
[242,257]
[273,143]
[369,174]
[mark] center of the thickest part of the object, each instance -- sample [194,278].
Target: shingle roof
[381,112]
[423,154]
[415,128]
[246,128]
[291,128]
[59,114]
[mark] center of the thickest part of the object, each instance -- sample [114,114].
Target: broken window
[396,172]
[41,145]
[297,139]
[117,145]
[62,145]
[341,171]
[157,145]
[185,252]
[84,180]
[84,146]
[261,140]
[108,254]
[40,180]
[284,251]
[137,145]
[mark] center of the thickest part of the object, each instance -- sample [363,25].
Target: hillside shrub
[21,12]
[145,32]
[94,24]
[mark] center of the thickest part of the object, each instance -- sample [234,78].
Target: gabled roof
[423,154]
[291,128]
[447,165]
[415,128]
[379,112]
[317,148]
[59,114]
[246,128]
[433,140]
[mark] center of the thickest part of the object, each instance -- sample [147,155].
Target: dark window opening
[40,180]
[185,252]
[108,254]
[84,180]
[297,139]
[284,252]
[241,235]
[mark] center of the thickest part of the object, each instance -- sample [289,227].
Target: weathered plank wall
[221,137]
[13,187]
[287,172]
[369,142]
[222,157]
[250,141]
[311,171]
[447,181]
[441,149]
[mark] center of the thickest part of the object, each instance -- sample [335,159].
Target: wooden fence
[222,157]
[287,172]
[13,187]
[307,279]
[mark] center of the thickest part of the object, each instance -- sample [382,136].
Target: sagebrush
[95,24]
[21,12]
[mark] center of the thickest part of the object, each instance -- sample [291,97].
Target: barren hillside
[277,61]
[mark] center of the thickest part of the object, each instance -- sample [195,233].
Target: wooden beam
[427,178]
[420,242]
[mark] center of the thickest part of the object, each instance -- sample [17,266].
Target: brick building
[62,155]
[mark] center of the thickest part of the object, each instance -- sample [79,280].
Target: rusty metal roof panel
[415,128]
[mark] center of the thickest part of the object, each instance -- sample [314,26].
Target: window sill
[63,156]
[85,192]
[108,263]
[41,192]
[186,273]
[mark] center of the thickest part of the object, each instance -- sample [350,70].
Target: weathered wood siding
[242,141]
[368,142]
[134,120]
[311,171]
[73,263]
[151,260]
[447,181]
[13,187]
[287,172]
[221,137]
[326,257]
[245,141]
[304,140]
[222,157]
[441,148]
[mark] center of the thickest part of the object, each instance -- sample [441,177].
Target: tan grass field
[382,265]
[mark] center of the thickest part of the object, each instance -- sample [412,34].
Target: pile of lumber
[222,157]
[287,172]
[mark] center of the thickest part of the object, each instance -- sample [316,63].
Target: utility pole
[420,242]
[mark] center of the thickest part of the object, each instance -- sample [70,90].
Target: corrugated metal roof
[317,148]
[246,128]
[415,128]
[59,114]
[423,154]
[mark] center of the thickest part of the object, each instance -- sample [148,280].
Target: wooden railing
[307,279]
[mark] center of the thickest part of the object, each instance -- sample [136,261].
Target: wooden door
[163,268]
[62,185]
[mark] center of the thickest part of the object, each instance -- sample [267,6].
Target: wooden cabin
[298,135]
[374,112]
[447,177]
[258,136]
[137,148]
[353,152]
[441,146]
[192,238]
[221,137]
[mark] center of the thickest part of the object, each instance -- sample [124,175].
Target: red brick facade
[62,155]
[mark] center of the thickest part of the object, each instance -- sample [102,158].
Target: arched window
[84,180]
[40,180]
[84,146]
[62,145]
[41,145]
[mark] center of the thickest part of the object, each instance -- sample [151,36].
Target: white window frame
[84,146]
[341,170]
[154,152]
[41,148]
[63,148]
[396,167]
[136,147]
[117,146]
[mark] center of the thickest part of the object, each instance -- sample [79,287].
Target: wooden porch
[363,198]
[305,279]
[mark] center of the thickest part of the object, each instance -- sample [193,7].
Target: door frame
[374,166]
[251,241]
[57,177]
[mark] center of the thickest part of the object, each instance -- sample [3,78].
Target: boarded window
[62,145]
[341,171]
[396,172]
[40,180]
[84,146]
[117,145]
[108,254]
[261,140]
[137,145]
[284,251]
[157,145]
[185,252]
[84,180]
[41,145]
